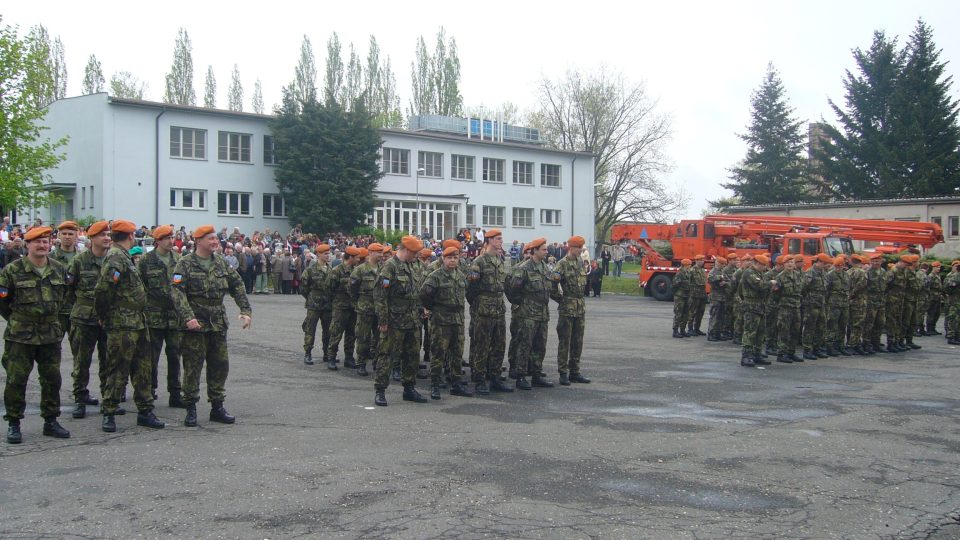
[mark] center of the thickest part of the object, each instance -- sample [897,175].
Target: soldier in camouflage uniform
[729,316]
[85,329]
[908,317]
[485,279]
[530,285]
[63,254]
[838,307]
[697,302]
[772,306]
[934,300]
[718,298]
[156,269]
[858,303]
[514,322]
[200,281]
[812,305]
[569,292]
[422,269]
[753,289]
[120,299]
[789,287]
[32,290]
[951,290]
[344,320]
[363,282]
[738,301]
[398,314]
[681,298]
[923,299]
[875,319]
[444,297]
[313,287]
[896,285]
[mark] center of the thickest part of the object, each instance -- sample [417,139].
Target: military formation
[128,312]
[838,306]
[385,307]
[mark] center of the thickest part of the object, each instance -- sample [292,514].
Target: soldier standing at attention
[422,269]
[344,320]
[814,298]
[923,299]
[933,304]
[738,299]
[485,286]
[313,287]
[363,281]
[875,319]
[718,295]
[729,316]
[753,289]
[200,281]
[444,297]
[531,286]
[120,299]
[838,307]
[772,306]
[896,284]
[514,322]
[697,302]
[397,304]
[908,319]
[156,269]
[32,289]
[681,298]
[66,252]
[569,293]
[83,273]
[858,303]
[951,288]
[789,286]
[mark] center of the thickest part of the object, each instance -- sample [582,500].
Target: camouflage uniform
[420,271]
[485,286]
[681,300]
[397,306]
[697,301]
[752,289]
[738,306]
[896,284]
[344,320]
[858,306]
[64,258]
[120,299]
[923,300]
[443,292]
[718,302]
[162,321]
[838,309]
[363,282]
[814,319]
[313,287]
[790,285]
[729,315]
[569,293]
[30,301]
[85,330]
[908,317]
[951,289]
[531,285]
[199,286]
[934,302]
[770,309]
[875,317]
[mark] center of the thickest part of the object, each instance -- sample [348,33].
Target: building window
[493,216]
[523,173]
[190,199]
[549,175]
[232,203]
[549,217]
[234,147]
[431,163]
[523,217]
[493,170]
[472,215]
[273,205]
[954,222]
[188,143]
[396,161]
[461,167]
[83,198]
[269,151]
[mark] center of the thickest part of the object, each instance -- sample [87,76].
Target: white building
[158,163]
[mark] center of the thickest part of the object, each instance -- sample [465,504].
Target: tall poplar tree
[179,80]
[422,81]
[93,80]
[235,98]
[333,76]
[303,89]
[257,101]
[210,89]
[123,84]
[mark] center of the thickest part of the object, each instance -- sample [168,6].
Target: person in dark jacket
[605,261]
[595,279]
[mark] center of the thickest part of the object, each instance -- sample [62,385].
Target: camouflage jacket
[790,283]
[915,283]
[698,282]
[485,285]
[896,283]
[396,295]
[532,284]
[64,258]
[858,284]
[681,283]
[814,287]
[338,285]
[120,297]
[569,291]
[936,284]
[773,296]
[752,287]
[313,287]
[731,275]
[951,286]
[82,277]
[158,280]
[198,292]
[717,280]
[876,286]
[444,293]
[30,301]
[363,280]
[838,287]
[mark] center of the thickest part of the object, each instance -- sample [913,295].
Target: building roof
[186,108]
[845,204]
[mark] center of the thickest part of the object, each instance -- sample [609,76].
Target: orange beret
[96,228]
[839,260]
[387,252]
[781,259]
[699,258]
[492,233]
[935,263]
[375,248]
[798,257]
[352,251]
[535,243]
[162,231]
[762,259]
[451,251]
[686,262]
[876,255]
[321,248]
[721,260]
[202,231]
[123,226]
[411,243]
[364,252]
[733,256]
[576,241]
[452,242]
[68,225]
[425,253]
[823,257]
[909,259]
[747,257]
[37,232]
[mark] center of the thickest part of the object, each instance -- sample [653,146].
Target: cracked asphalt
[671,440]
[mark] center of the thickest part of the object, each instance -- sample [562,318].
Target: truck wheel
[661,287]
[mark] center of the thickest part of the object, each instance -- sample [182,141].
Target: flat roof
[845,204]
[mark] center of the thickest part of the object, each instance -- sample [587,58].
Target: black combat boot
[737,341]
[578,378]
[362,370]
[793,356]
[712,337]
[176,400]
[13,432]
[410,394]
[523,383]
[831,350]
[913,345]
[771,350]
[52,428]
[350,362]
[698,332]
[820,352]
[379,399]
[512,373]
[79,410]
[691,332]
[676,333]
[458,389]
[953,341]
[760,359]
[191,419]
[332,364]
[878,347]
[858,350]
[108,425]
[784,359]
[891,347]
[540,381]
[496,385]
[683,333]
[150,420]
[564,380]
[746,360]
[808,354]
[482,388]
[308,358]
[844,350]
[435,391]
[219,414]
[87,400]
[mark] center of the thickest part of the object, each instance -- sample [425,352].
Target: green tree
[235,93]
[257,97]
[328,163]
[40,74]
[422,81]
[180,79]
[124,85]
[93,81]
[303,89]
[445,72]
[25,154]
[210,89]
[354,84]
[380,89]
[58,64]
[333,76]
[774,169]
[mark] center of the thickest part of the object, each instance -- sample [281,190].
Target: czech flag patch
[4,292]
[386,283]
[177,279]
[116,276]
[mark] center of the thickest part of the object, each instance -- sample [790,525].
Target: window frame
[455,167]
[550,224]
[402,164]
[224,152]
[470,215]
[239,195]
[516,173]
[180,143]
[544,176]
[196,195]
[953,224]
[273,201]
[485,169]
[434,167]
[528,217]
[270,151]
[484,216]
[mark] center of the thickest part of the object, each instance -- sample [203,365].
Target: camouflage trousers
[570,344]
[199,348]
[716,324]
[341,328]
[83,339]
[65,323]
[171,338]
[874,321]
[838,316]
[18,360]
[310,329]
[486,347]
[814,323]
[771,323]
[446,344]
[696,305]
[128,356]
[788,329]
[908,319]
[738,317]
[402,344]
[531,346]
[933,314]
[425,340]
[368,338]
[894,312]
[729,315]
[680,311]
[752,324]
[858,319]
[512,349]
[952,323]
[472,325]
[923,304]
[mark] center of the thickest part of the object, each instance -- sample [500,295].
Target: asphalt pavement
[673,439]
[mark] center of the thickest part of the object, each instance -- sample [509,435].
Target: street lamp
[420,171]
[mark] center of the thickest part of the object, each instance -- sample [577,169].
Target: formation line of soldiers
[838,306]
[384,306]
[128,312]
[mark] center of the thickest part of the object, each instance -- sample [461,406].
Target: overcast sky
[700,60]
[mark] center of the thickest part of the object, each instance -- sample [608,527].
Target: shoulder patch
[116,276]
[177,279]
[385,283]
[4,292]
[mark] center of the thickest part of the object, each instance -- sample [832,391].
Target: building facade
[156,163]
